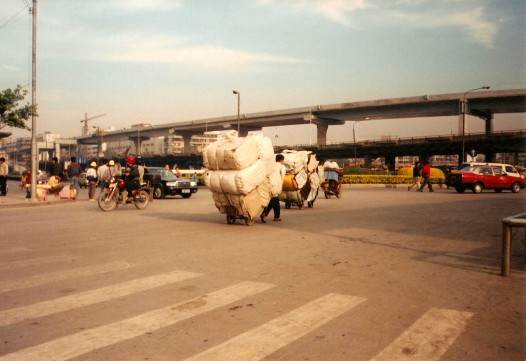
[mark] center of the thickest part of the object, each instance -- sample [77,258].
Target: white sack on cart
[266,150]
[246,204]
[233,154]
[276,183]
[295,161]
[301,178]
[313,163]
[264,190]
[236,182]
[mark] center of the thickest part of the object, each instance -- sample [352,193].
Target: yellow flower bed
[405,176]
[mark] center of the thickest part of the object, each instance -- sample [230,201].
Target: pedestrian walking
[277,185]
[73,170]
[426,174]
[91,176]
[4,169]
[56,168]
[101,172]
[416,176]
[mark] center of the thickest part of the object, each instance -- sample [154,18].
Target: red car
[478,178]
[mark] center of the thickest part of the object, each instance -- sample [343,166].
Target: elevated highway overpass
[483,104]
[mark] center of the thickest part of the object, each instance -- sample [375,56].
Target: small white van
[506,168]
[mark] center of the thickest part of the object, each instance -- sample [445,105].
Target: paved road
[380,274]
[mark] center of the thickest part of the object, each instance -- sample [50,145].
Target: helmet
[130,160]
[93,164]
[111,162]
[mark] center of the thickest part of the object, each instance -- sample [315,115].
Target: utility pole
[34,146]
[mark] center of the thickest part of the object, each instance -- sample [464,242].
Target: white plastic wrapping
[236,181]
[233,154]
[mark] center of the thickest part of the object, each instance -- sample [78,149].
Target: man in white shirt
[4,169]
[276,190]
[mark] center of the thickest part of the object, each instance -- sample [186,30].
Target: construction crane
[85,128]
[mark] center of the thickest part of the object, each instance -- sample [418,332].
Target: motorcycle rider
[131,177]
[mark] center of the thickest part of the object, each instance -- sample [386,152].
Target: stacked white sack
[303,165]
[238,171]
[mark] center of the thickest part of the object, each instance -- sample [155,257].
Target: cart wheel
[339,193]
[310,204]
[249,221]
[327,194]
[287,205]
[300,205]
[231,219]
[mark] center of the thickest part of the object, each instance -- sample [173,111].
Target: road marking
[33,261]
[71,346]
[39,280]
[266,339]
[428,338]
[78,300]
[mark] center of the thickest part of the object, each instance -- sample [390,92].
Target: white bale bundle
[295,161]
[265,192]
[265,149]
[234,154]
[249,178]
[236,181]
[209,154]
[223,181]
[276,182]
[250,203]
[313,163]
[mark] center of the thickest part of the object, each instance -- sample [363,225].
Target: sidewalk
[17,198]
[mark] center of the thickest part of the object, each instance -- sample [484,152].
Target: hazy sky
[162,61]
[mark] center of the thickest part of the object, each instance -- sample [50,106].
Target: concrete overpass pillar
[57,150]
[489,123]
[243,131]
[390,162]
[322,134]
[186,141]
[368,161]
[490,156]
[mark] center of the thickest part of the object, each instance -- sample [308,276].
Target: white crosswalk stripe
[428,338]
[32,262]
[67,347]
[41,279]
[264,340]
[90,297]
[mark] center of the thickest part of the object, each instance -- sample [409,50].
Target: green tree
[10,114]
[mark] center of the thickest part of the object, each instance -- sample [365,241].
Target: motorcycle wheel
[107,202]
[142,199]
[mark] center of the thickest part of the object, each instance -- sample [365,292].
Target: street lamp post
[238,105]
[100,151]
[464,106]
[139,141]
[354,141]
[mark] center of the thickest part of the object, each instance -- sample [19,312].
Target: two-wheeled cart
[234,213]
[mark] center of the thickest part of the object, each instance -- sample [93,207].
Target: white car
[506,168]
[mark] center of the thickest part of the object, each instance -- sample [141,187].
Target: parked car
[506,168]
[165,183]
[478,178]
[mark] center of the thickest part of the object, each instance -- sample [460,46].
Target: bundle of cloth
[239,173]
[331,170]
[302,180]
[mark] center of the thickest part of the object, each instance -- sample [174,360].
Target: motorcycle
[115,194]
[332,188]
